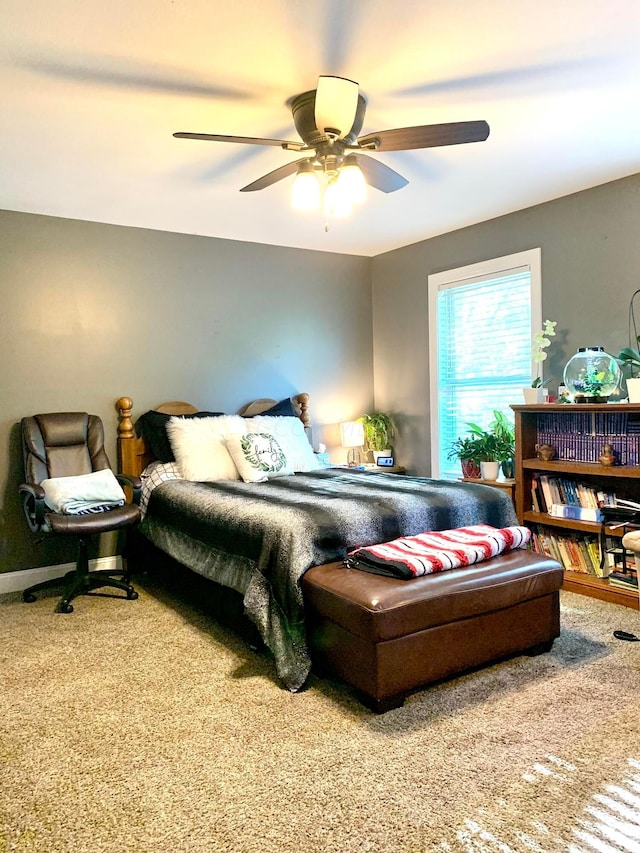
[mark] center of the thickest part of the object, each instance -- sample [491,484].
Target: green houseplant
[629,357]
[541,341]
[629,360]
[505,433]
[378,431]
[495,443]
[468,451]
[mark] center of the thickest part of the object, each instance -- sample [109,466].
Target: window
[481,321]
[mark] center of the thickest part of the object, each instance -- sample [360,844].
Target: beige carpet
[145,726]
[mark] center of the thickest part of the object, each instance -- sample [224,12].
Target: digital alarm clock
[385,461]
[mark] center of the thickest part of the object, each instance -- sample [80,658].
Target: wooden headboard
[133,453]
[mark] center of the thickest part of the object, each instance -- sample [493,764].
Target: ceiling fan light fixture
[352,181]
[306,190]
[337,202]
[336,105]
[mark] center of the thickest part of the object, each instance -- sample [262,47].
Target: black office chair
[66,444]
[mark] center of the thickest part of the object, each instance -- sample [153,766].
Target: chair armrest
[134,483]
[33,505]
[631,540]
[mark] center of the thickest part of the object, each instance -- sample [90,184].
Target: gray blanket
[260,538]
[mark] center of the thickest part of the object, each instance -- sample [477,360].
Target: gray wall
[93,312]
[590,268]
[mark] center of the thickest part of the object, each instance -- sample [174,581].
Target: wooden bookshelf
[624,480]
[599,588]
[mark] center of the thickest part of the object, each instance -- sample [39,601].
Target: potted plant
[378,432]
[629,360]
[466,449]
[495,445]
[541,341]
[505,433]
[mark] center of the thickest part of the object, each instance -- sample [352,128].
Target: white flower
[541,340]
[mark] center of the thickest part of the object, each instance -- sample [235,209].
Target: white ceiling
[91,92]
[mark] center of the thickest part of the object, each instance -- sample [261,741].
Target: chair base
[81,581]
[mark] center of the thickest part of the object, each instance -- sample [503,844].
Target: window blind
[484,353]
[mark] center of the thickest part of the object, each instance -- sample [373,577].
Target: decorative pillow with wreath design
[258,456]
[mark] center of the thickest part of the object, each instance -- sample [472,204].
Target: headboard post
[302,400]
[130,460]
[125,424]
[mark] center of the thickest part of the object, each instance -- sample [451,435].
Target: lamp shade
[305,192]
[336,201]
[352,434]
[351,180]
[336,105]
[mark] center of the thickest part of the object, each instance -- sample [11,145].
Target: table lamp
[352,436]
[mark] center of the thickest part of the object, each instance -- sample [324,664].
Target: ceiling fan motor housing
[303,108]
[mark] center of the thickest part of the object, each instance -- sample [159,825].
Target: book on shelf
[537,497]
[535,503]
[580,436]
[581,513]
[627,504]
[593,549]
[574,551]
[562,497]
[548,491]
[545,489]
[624,580]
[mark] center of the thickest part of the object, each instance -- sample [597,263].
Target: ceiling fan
[328,120]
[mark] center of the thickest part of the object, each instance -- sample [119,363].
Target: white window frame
[494,267]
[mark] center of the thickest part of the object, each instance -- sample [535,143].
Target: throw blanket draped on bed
[413,556]
[260,538]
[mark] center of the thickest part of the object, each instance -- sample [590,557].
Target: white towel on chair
[83,494]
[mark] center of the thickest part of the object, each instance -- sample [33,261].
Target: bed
[259,537]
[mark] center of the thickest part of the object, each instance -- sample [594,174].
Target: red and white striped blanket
[413,556]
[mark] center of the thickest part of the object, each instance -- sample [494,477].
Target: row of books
[549,491]
[624,580]
[574,447]
[611,421]
[575,552]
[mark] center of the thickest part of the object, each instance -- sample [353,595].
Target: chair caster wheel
[132,595]
[29,597]
[65,607]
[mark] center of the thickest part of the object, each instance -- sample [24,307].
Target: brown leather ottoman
[387,637]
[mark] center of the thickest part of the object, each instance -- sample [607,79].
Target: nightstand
[505,485]
[382,469]
[376,469]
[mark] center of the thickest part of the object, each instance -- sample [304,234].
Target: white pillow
[291,437]
[258,456]
[199,447]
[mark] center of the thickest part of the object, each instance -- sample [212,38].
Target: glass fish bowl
[592,375]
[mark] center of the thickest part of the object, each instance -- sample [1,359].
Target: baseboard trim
[17,581]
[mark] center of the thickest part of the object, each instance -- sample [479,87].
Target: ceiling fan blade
[247,140]
[271,178]
[85,69]
[426,136]
[379,176]
[335,105]
[537,77]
